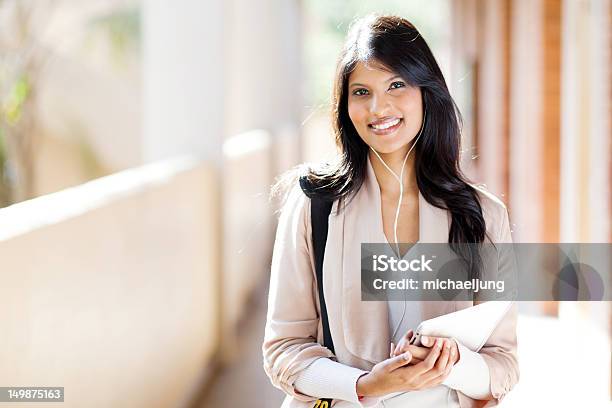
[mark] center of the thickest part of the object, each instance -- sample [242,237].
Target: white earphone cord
[400,180]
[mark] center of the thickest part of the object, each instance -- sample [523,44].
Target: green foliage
[11,111]
[122,27]
[4,182]
[2,151]
[12,108]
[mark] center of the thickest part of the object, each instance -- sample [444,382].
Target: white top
[330,379]
[409,310]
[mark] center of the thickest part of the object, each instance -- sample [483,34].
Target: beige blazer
[360,329]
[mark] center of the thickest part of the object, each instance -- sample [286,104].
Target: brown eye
[397,84]
[360,92]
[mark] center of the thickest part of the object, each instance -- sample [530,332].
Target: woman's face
[385,110]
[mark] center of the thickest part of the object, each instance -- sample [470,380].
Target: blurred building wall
[216,80]
[110,288]
[540,101]
[184,81]
[221,81]
[586,130]
[540,98]
[261,140]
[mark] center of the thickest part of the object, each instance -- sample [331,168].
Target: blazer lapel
[365,324]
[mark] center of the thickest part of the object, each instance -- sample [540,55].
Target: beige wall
[247,228]
[110,288]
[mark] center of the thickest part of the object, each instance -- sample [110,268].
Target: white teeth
[386,125]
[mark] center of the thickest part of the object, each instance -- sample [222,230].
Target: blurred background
[139,140]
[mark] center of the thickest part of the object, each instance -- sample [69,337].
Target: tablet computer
[471,326]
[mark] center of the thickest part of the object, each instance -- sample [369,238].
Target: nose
[379,105]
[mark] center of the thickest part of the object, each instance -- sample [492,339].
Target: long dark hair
[396,44]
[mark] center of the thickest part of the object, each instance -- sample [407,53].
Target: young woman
[397,179]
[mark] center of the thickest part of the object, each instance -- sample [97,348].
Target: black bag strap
[319,213]
[319,220]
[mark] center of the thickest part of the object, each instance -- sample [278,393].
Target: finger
[404,341]
[449,367]
[454,352]
[441,363]
[401,347]
[444,359]
[428,341]
[418,352]
[398,361]
[425,341]
[415,360]
[430,360]
[440,378]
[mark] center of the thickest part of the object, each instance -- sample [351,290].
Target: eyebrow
[388,80]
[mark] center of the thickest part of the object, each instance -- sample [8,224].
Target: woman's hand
[429,341]
[396,374]
[420,352]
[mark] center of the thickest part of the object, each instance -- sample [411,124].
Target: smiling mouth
[385,127]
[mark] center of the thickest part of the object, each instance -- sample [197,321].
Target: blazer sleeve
[290,340]
[500,350]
